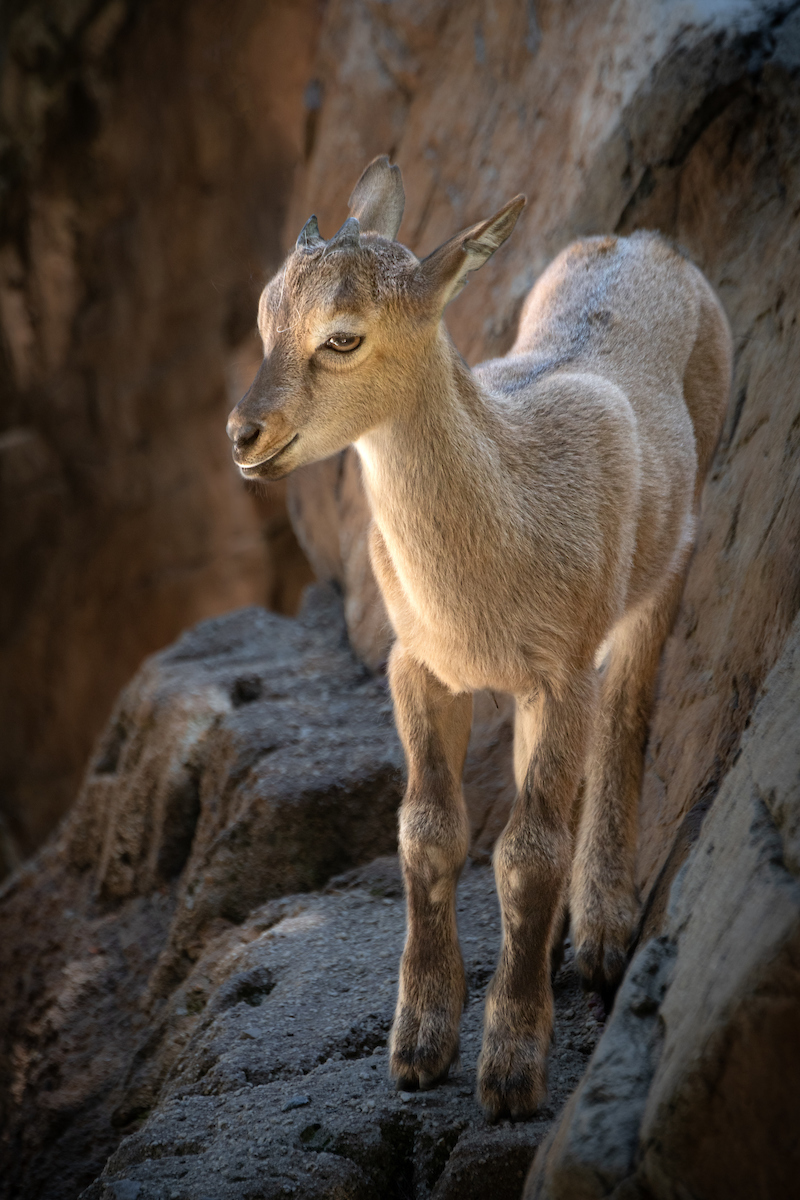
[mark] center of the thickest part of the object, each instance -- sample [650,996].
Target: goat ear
[444,273]
[378,198]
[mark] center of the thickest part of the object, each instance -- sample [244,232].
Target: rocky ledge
[199,1005]
[272,1063]
[197,989]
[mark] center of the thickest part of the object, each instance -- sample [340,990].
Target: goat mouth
[255,468]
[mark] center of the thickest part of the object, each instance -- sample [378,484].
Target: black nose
[246,435]
[242,433]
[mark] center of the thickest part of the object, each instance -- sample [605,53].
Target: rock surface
[680,117]
[171,983]
[253,759]
[702,1050]
[275,1068]
[145,161]
[166,945]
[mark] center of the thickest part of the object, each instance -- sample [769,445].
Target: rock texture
[178,1006]
[679,117]
[145,159]
[272,1063]
[702,1052]
[253,759]
[167,968]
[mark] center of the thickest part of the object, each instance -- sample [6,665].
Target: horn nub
[348,237]
[308,238]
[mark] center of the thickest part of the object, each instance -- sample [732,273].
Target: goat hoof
[423,1047]
[512,1078]
[601,967]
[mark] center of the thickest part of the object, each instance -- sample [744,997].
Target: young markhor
[532,522]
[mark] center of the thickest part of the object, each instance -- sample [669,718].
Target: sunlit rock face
[196,1009]
[632,117]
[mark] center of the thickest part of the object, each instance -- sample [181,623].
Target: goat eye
[343,342]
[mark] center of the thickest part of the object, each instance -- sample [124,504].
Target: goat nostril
[247,435]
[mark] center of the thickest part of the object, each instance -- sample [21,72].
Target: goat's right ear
[378,199]
[444,273]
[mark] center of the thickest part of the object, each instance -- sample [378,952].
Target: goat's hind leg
[603,901]
[434,726]
[532,864]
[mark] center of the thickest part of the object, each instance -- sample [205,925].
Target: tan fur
[531,517]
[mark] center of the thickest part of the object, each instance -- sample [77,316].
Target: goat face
[348,326]
[340,333]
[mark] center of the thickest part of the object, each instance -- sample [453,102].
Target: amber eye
[343,342]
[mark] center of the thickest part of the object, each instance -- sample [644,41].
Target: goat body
[532,523]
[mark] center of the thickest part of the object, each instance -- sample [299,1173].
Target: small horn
[348,236]
[309,237]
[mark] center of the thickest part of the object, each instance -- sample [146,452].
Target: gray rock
[249,1009]
[288,1087]
[256,757]
[125,1189]
[698,1069]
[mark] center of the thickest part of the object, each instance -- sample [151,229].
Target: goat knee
[531,869]
[433,849]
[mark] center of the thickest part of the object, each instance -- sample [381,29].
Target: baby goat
[531,517]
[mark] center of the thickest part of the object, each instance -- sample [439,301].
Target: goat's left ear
[378,199]
[444,273]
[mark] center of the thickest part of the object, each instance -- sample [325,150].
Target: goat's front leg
[434,726]
[532,867]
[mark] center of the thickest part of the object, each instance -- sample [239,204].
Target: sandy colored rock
[146,157]
[681,118]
